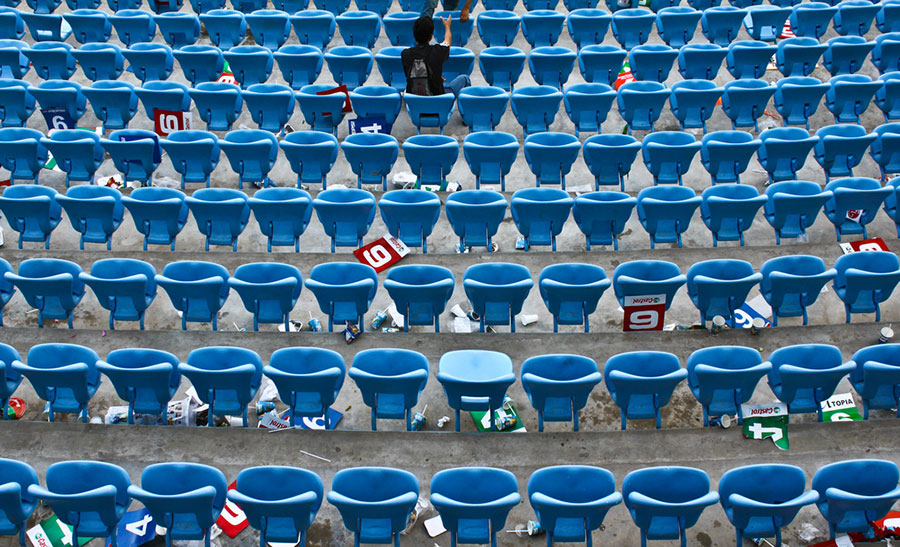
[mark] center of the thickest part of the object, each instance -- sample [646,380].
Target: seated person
[424,62]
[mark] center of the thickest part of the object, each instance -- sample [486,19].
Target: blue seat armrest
[662,508]
[300,499]
[173,503]
[407,498]
[362,283]
[240,370]
[539,498]
[837,494]
[509,500]
[758,508]
[508,379]
[13,490]
[105,491]
[142,372]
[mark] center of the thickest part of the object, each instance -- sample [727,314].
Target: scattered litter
[444,420]
[264,406]
[102,333]
[669,327]
[456,310]
[268,391]
[237,328]
[396,317]
[422,505]
[528,319]
[418,421]
[808,532]
[521,244]
[351,332]
[378,319]
[531,528]
[311,455]
[580,189]
[461,325]
[434,526]
[885,335]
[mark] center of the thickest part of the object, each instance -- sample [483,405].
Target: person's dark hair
[423,30]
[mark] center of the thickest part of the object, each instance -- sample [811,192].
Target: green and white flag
[766,422]
[53,533]
[840,408]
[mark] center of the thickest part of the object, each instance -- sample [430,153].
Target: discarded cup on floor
[757,325]
[378,319]
[264,406]
[418,420]
[473,316]
[885,336]
[390,329]
[234,421]
[507,421]
[529,319]
[16,408]
[724,421]
[507,404]
[718,323]
[457,311]
[532,528]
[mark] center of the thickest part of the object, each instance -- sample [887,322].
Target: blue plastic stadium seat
[300,64]
[197,289]
[765,22]
[601,216]
[744,102]
[550,157]
[431,157]
[693,102]
[875,377]
[202,6]
[642,382]
[728,211]
[161,95]
[475,380]
[283,215]
[846,54]
[349,65]
[346,215]
[18,504]
[475,216]
[542,27]
[854,204]
[676,25]
[886,52]
[359,28]
[133,26]
[888,18]
[460,30]
[343,290]
[9,379]
[540,214]
[588,104]
[194,154]
[790,284]
[490,156]
[89,25]
[720,287]
[632,27]
[727,154]
[218,104]
[221,214]
[200,63]
[374,502]
[885,149]
[390,66]
[279,501]
[311,155]
[126,287]
[77,152]
[64,375]
[643,277]
[22,154]
[249,64]
[32,211]
[323,112]
[571,501]
[481,107]
[558,386]
[430,111]
[12,27]
[855,17]
[761,499]
[149,61]
[51,60]
[165,6]
[376,101]
[114,103]
[252,154]
[268,290]
[270,27]
[853,492]
[497,27]
[13,62]
[159,214]
[501,66]
[49,285]
[178,29]
[410,215]
[189,495]
[571,293]
[398,27]
[849,96]
[665,212]
[721,24]
[811,19]
[94,211]
[474,502]
[535,107]
[793,207]
[46,27]
[668,155]
[805,375]
[371,157]
[588,26]
[601,63]
[641,103]
[18,102]
[700,61]
[748,59]
[784,151]
[652,62]
[497,292]
[226,28]
[722,378]
[314,27]
[841,148]
[335,7]
[798,56]
[420,293]
[270,105]
[390,380]
[609,158]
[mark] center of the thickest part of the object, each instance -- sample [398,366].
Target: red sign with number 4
[644,312]
[381,253]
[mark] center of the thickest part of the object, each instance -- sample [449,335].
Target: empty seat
[194,154]
[550,156]
[15,64]
[218,104]
[474,502]
[114,103]
[721,24]
[374,502]
[163,95]
[390,380]
[45,27]
[22,153]
[311,155]
[720,287]
[805,375]
[300,64]
[865,280]
[133,26]
[542,27]
[854,17]
[226,378]
[19,505]
[875,377]
[33,211]
[728,211]
[727,154]
[642,382]
[410,215]
[475,380]
[149,61]
[632,27]
[51,60]
[249,64]
[204,6]
[371,157]
[765,22]
[668,155]
[283,215]
[460,30]
[359,28]
[270,27]
[481,107]
[420,292]
[64,375]
[349,65]
[609,158]
[77,152]
[159,214]
[226,28]
[676,25]
[431,157]
[793,207]
[346,215]
[783,151]
[490,156]
[854,491]
[12,27]
[376,101]
[540,214]
[572,500]
[314,27]
[501,66]
[270,105]
[811,19]
[665,212]
[200,63]
[886,53]
[693,102]
[854,204]
[601,216]
[700,61]
[18,102]
[252,154]
[322,111]
[643,277]
[497,27]
[497,292]
[846,54]
[178,29]
[52,287]
[885,149]
[601,63]
[744,102]
[343,291]
[430,111]
[651,62]
[799,56]
[641,103]
[89,25]
[221,214]
[126,288]
[790,284]
[268,290]
[63,95]
[888,18]
[841,148]
[197,289]
[535,107]
[849,96]
[94,211]
[748,59]
[398,27]
[571,293]
[9,379]
[587,105]
[475,216]
[390,66]
[722,378]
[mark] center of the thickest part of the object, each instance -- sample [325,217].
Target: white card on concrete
[434,526]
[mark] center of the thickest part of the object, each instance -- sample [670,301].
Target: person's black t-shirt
[433,57]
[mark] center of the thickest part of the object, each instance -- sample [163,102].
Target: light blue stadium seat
[790,284]
[855,17]
[799,56]
[644,277]
[665,212]
[200,63]
[114,103]
[164,95]
[51,60]
[430,111]
[784,151]
[587,25]
[571,292]
[722,378]
[12,27]
[390,380]
[642,382]
[159,214]
[668,155]
[125,287]
[885,149]
[62,95]
[270,27]
[497,292]
[410,215]
[542,27]
[805,375]
[641,103]
[632,27]
[314,27]
[601,63]
[218,104]
[846,54]
[51,286]
[194,154]
[540,214]
[94,211]
[849,96]
[374,101]
[390,66]
[720,287]
[886,52]
[694,101]
[346,215]
[652,62]
[853,492]
[149,61]
[475,380]
[854,204]
[550,156]
[300,64]
[398,27]
[431,157]
[9,379]
[252,154]
[490,156]
[283,215]
[77,152]
[841,148]
[501,66]
[226,28]
[601,216]
[197,289]
[811,19]
[609,158]
[359,28]
[888,18]
[322,112]
[482,107]
[676,24]
[270,105]
[765,22]
[32,211]
[588,104]
[420,292]
[374,502]
[89,25]
[728,210]
[721,24]
[349,65]
[18,103]
[18,505]
[371,157]
[268,290]
[496,27]
[460,30]
[744,102]
[748,59]
[343,291]
[474,502]
[793,207]
[22,154]
[311,155]
[535,107]
[205,6]
[726,154]
[133,26]
[249,64]
[700,61]
[14,63]
[45,26]
[875,377]
[572,500]
[221,215]
[178,29]
[64,375]
[475,216]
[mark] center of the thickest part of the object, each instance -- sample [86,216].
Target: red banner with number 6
[166,122]
[644,312]
[381,253]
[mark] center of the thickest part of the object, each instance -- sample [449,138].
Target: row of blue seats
[630,27]
[309,380]
[344,290]
[570,502]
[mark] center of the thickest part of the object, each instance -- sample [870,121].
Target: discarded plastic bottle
[378,320]
[418,420]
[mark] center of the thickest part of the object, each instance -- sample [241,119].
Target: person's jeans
[431,5]
[457,84]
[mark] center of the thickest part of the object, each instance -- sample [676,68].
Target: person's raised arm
[447,35]
[464,14]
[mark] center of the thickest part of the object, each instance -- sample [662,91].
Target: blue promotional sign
[334,417]
[136,528]
[157,156]
[372,124]
[757,307]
